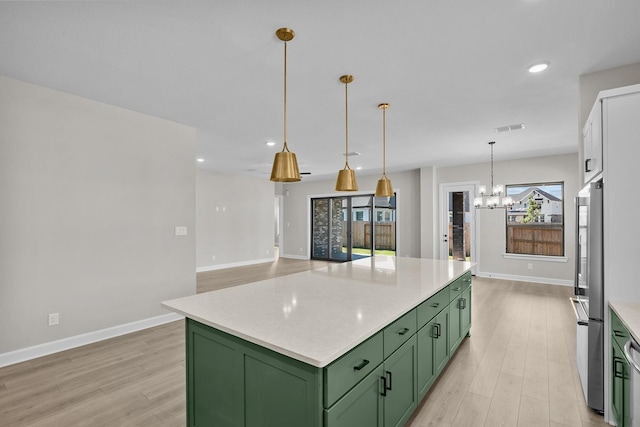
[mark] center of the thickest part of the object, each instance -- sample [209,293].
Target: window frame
[515,214]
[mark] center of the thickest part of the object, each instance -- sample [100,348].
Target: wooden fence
[361,235]
[535,239]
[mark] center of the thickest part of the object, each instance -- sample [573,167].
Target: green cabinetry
[231,382]
[459,311]
[379,383]
[620,373]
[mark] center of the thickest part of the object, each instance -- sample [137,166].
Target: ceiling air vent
[509,128]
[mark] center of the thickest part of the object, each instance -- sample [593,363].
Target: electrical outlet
[181,231]
[530,266]
[213,258]
[54,319]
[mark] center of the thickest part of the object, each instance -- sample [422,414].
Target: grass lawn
[365,251]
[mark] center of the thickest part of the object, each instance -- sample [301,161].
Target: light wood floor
[517,369]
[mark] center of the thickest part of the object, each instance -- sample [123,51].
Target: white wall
[490,224]
[235,220]
[90,195]
[296,231]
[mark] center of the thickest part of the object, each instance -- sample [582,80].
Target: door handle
[403,331]
[388,374]
[384,386]
[586,165]
[437,330]
[462,304]
[361,365]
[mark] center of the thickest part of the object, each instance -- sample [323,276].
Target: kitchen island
[358,343]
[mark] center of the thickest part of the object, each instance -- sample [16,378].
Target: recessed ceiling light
[200,160]
[358,168]
[538,66]
[270,143]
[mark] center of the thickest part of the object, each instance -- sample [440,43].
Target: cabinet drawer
[618,331]
[344,373]
[459,285]
[431,307]
[399,332]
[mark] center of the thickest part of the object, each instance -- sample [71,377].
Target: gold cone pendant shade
[285,164]
[384,188]
[346,177]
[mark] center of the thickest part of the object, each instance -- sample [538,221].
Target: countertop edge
[625,310]
[301,357]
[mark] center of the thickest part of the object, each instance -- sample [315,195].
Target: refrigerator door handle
[575,303]
[631,344]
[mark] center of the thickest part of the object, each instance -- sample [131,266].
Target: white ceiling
[452,70]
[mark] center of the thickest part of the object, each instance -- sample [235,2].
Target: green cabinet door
[361,407]
[465,314]
[209,355]
[426,368]
[400,380]
[280,393]
[620,397]
[459,319]
[455,331]
[440,341]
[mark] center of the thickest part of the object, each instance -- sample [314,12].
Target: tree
[533,209]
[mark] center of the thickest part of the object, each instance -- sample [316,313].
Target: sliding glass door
[345,228]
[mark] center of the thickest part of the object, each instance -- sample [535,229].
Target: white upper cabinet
[592,144]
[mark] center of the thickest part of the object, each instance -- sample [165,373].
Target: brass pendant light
[346,177]
[285,164]
[384,188]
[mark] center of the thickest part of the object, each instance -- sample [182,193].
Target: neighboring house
[385,211]
[550,206]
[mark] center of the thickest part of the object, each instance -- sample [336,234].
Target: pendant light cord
[491,169]
[384,142]
[346,126]
[285,148]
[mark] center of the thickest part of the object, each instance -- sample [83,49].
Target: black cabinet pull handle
[437,332]
[619,334]
[403,331]
[362,364]
[456,289]
[435,305]
[388,374]
[616,373]
[384,386]
[463,304]
[586,165]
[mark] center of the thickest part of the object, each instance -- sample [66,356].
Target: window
[535,222]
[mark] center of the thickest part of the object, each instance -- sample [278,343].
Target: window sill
[542,258]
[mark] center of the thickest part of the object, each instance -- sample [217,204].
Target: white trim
[518,278]
[234,264]
[294,256]
[45,349]
[543,258]
[472,188]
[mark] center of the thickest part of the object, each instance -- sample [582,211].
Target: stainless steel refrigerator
[588,302]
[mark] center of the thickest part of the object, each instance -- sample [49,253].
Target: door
[342,228]
[400,378]
[457,219]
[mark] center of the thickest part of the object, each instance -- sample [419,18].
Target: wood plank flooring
[517,369]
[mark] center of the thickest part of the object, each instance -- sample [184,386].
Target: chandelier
[495,199]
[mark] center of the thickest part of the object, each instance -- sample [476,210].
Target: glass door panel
[361,226]
[385,225]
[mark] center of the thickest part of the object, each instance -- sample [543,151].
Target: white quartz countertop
[317,316]
[629,313]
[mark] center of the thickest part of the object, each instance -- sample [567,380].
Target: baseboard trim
[28,353]
[294,256]
[517,278]
[233,264]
